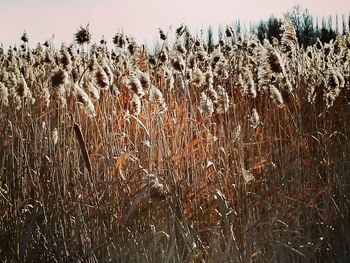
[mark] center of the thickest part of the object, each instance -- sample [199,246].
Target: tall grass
[238,153]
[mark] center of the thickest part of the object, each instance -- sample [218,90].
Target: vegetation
[236,152]
[308,29]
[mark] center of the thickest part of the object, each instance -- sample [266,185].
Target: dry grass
[236,154]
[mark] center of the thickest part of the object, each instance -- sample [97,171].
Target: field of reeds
[237,152]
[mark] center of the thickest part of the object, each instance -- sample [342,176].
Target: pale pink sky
[139,18]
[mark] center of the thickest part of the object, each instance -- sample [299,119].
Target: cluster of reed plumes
[192,153]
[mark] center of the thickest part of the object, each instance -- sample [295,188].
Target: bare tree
[304,25]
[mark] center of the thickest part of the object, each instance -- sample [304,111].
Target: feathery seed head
[208,76]
[180,48]
[247,82]
[135,85]
[206,105]
[59,77]
[181,30]
[216,56]
[24,37]
[276,96]
[101,78]
[289,39]
[4,94]
[220,71]
[274,60]
[223,101]
[83,98]
[66,60]
[90,88]
[54,136]
[192,61]
[254,118]
[144,80]
[178,64]
[162,35]
[83,35]
[135,105]
[169,80]
[198,77]
[229,31]
[156,96]
[120,40]
[163,57]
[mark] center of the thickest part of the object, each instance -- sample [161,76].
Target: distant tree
[308,35]
[269,30]
[295,16]
[274,29]
[331,33]
[220,32]
[343,19]
[261,31]
[210,38]
[304,25]
[330,22]
[327,33]
[336,24]
[307,28]
[252,29]
[237,27]
[317,27]
[323,34]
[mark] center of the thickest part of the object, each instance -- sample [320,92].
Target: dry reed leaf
[147,143]
[259,166]
[83,147]
[122,163]
[223,209]
[140,123]
[328,137]
[320,115]
[180,156]
[193,143]
[55,136]
[153,191]
[209,164]
[258,130]
[142,195]
[254,255]
[181,111]
[45,114]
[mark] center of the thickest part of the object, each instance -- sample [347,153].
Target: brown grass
[177,186]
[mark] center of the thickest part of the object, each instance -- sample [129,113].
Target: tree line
[308,29]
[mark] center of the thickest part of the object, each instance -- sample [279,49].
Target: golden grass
[166,182]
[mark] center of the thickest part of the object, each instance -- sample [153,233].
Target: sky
[60,19]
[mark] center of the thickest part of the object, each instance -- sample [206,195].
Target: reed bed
[192,153]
